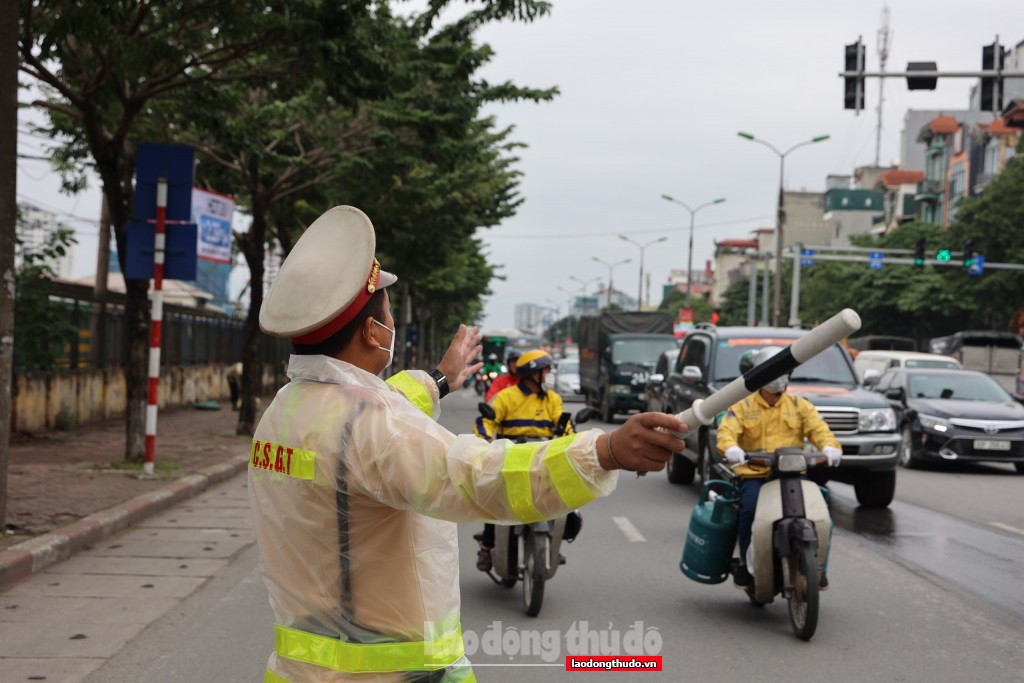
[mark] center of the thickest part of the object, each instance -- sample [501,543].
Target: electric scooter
[531,552]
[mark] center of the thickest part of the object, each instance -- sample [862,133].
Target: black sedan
[954,416]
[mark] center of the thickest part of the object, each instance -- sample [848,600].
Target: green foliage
[42,326]
[675,300]
[562,329]
[993,221]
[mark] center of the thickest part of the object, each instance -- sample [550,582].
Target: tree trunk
[252,246]
[8,218]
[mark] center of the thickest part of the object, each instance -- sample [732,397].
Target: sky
[652,95]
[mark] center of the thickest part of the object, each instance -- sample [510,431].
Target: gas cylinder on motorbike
[711,536]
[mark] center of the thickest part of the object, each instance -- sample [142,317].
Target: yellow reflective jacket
[754,425]
[521,412]
[355,489]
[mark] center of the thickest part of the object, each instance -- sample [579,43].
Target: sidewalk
[68,490]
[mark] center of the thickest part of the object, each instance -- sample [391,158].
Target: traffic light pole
[925,75]
[862,255]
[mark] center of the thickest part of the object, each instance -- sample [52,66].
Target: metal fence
[191,336]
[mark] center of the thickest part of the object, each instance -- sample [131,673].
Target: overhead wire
[631,232]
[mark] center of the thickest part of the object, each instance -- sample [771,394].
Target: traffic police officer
[355,488]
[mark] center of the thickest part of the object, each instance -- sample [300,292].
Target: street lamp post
[583,284]
[689,260]
[640,288]
[611,266]
[780,215]
[568,310]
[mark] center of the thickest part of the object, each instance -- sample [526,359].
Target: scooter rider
[766,421]
[492,364]
[528,409]
[507,380]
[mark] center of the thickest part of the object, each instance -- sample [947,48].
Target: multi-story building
[805,219]
[732,263]
[533,318]
[899,187]
[35,225]
[850,212]
[606,298]
[939,137]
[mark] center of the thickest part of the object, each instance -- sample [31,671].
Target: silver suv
[862,421]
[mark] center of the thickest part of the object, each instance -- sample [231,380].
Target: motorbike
[789,546]
[530,553]
[483,381]
[480,383]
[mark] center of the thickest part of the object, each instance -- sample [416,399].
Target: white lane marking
[1007,527]
[631,532]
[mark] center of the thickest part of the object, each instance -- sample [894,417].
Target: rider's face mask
[545,381]
[777,386]
[390,349]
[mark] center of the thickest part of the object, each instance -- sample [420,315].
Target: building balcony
[929,191]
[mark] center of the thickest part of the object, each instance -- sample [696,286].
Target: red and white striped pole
[155,329]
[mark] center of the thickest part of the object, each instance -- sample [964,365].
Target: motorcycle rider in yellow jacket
[766,421]
[355,488]
[528,410]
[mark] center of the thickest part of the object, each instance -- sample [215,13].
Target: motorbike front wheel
[803,597]
[535,572]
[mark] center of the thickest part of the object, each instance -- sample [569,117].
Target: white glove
[735,455]
[834,455]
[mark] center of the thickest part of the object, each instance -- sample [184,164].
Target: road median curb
[24,559]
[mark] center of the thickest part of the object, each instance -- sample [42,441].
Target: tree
[993,222]
[102,65]
[899,300]
[42,325]
[676,300]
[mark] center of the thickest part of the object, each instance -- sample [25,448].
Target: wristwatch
[442,382]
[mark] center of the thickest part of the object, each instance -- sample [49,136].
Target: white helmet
[779,384]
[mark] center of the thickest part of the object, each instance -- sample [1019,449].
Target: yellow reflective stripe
[516,473]
[413,391]
[570,487]
[332,653]
[273,457]
[271,677]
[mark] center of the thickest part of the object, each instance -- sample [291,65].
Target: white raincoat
[355,490]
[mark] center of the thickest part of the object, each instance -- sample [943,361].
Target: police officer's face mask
[390,349]
[777,386]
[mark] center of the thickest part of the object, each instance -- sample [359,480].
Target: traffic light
[968,253]
[919,252]
[944,255]
[992,59]
[853,95]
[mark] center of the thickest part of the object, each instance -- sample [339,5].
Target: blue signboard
[977,266]
[179,251]
[174,164]
[806,257]
[875,260]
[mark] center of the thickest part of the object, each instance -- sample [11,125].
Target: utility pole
[884,38]
[8,219]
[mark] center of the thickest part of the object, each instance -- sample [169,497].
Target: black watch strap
[442,382]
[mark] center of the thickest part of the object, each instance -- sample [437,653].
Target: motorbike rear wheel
[535,572]
[803,597]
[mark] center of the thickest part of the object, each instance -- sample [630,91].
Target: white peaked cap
[325,281]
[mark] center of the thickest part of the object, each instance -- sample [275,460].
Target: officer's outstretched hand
[457,363]
[643,444]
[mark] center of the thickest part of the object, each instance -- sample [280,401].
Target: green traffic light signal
[943,255]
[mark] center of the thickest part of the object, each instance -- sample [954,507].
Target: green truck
[618,351]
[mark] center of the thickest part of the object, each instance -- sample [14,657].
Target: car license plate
[982,445]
